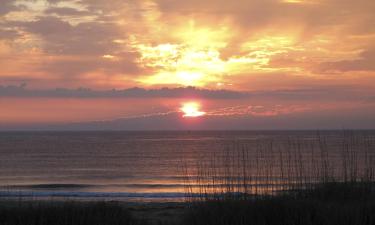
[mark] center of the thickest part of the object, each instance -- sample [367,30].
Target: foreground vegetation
[64,213]
[321,180]
[289,164]
[331,204]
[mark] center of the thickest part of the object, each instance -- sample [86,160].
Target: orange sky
[299,57]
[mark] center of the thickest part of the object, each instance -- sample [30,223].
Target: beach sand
[158,213]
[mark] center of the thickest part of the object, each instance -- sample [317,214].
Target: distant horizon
[218,130]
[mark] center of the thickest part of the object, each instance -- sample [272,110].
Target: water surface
[127,165]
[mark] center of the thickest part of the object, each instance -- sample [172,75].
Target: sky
[172,65]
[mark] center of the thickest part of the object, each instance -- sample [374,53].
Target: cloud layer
[304,55]
[161,42]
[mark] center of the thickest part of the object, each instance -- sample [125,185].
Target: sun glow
[191,109]
[201,55]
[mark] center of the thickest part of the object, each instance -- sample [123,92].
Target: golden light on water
[192,109]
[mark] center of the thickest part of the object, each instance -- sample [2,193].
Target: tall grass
[295,164]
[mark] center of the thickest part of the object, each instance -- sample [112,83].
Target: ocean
[154,165]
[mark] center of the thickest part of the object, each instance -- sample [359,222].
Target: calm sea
[143,166]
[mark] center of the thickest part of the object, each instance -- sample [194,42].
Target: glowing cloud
[108,57]
[191,109]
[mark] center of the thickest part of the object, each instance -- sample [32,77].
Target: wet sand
[158,213]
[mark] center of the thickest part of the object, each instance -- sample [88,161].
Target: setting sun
[191,109]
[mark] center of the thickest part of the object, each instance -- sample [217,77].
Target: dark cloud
[68,68]
[84,44]
[105,6]
[56,1]
[188,92]
[361,118]
[66,11]
[366,62]
[88,38]
[321,94]
[314,16]
[7,6]
[8,34]
[48,26]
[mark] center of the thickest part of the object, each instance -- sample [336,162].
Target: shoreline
[331,204]
[149,213]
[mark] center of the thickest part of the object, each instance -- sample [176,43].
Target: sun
[191,109]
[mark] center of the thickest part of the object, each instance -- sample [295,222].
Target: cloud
[8,34]
[86,38]
[79,49]
[366,62]
[7,6]
[56,1]
[256,38]
[66,11]
[188,92]
[293,95]
[258,13]
[48,26]
[76,67]
[258,110]
[327,119]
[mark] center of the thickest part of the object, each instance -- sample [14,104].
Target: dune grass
[270,166]
[329,205]
[318,181]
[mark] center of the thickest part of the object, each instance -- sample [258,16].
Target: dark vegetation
[321,180]
[331,204]
[248,170]
[65,213]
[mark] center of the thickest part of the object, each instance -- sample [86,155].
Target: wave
[91,194]
[99,186]
[50,186]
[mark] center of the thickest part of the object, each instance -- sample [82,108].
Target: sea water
[139,166]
